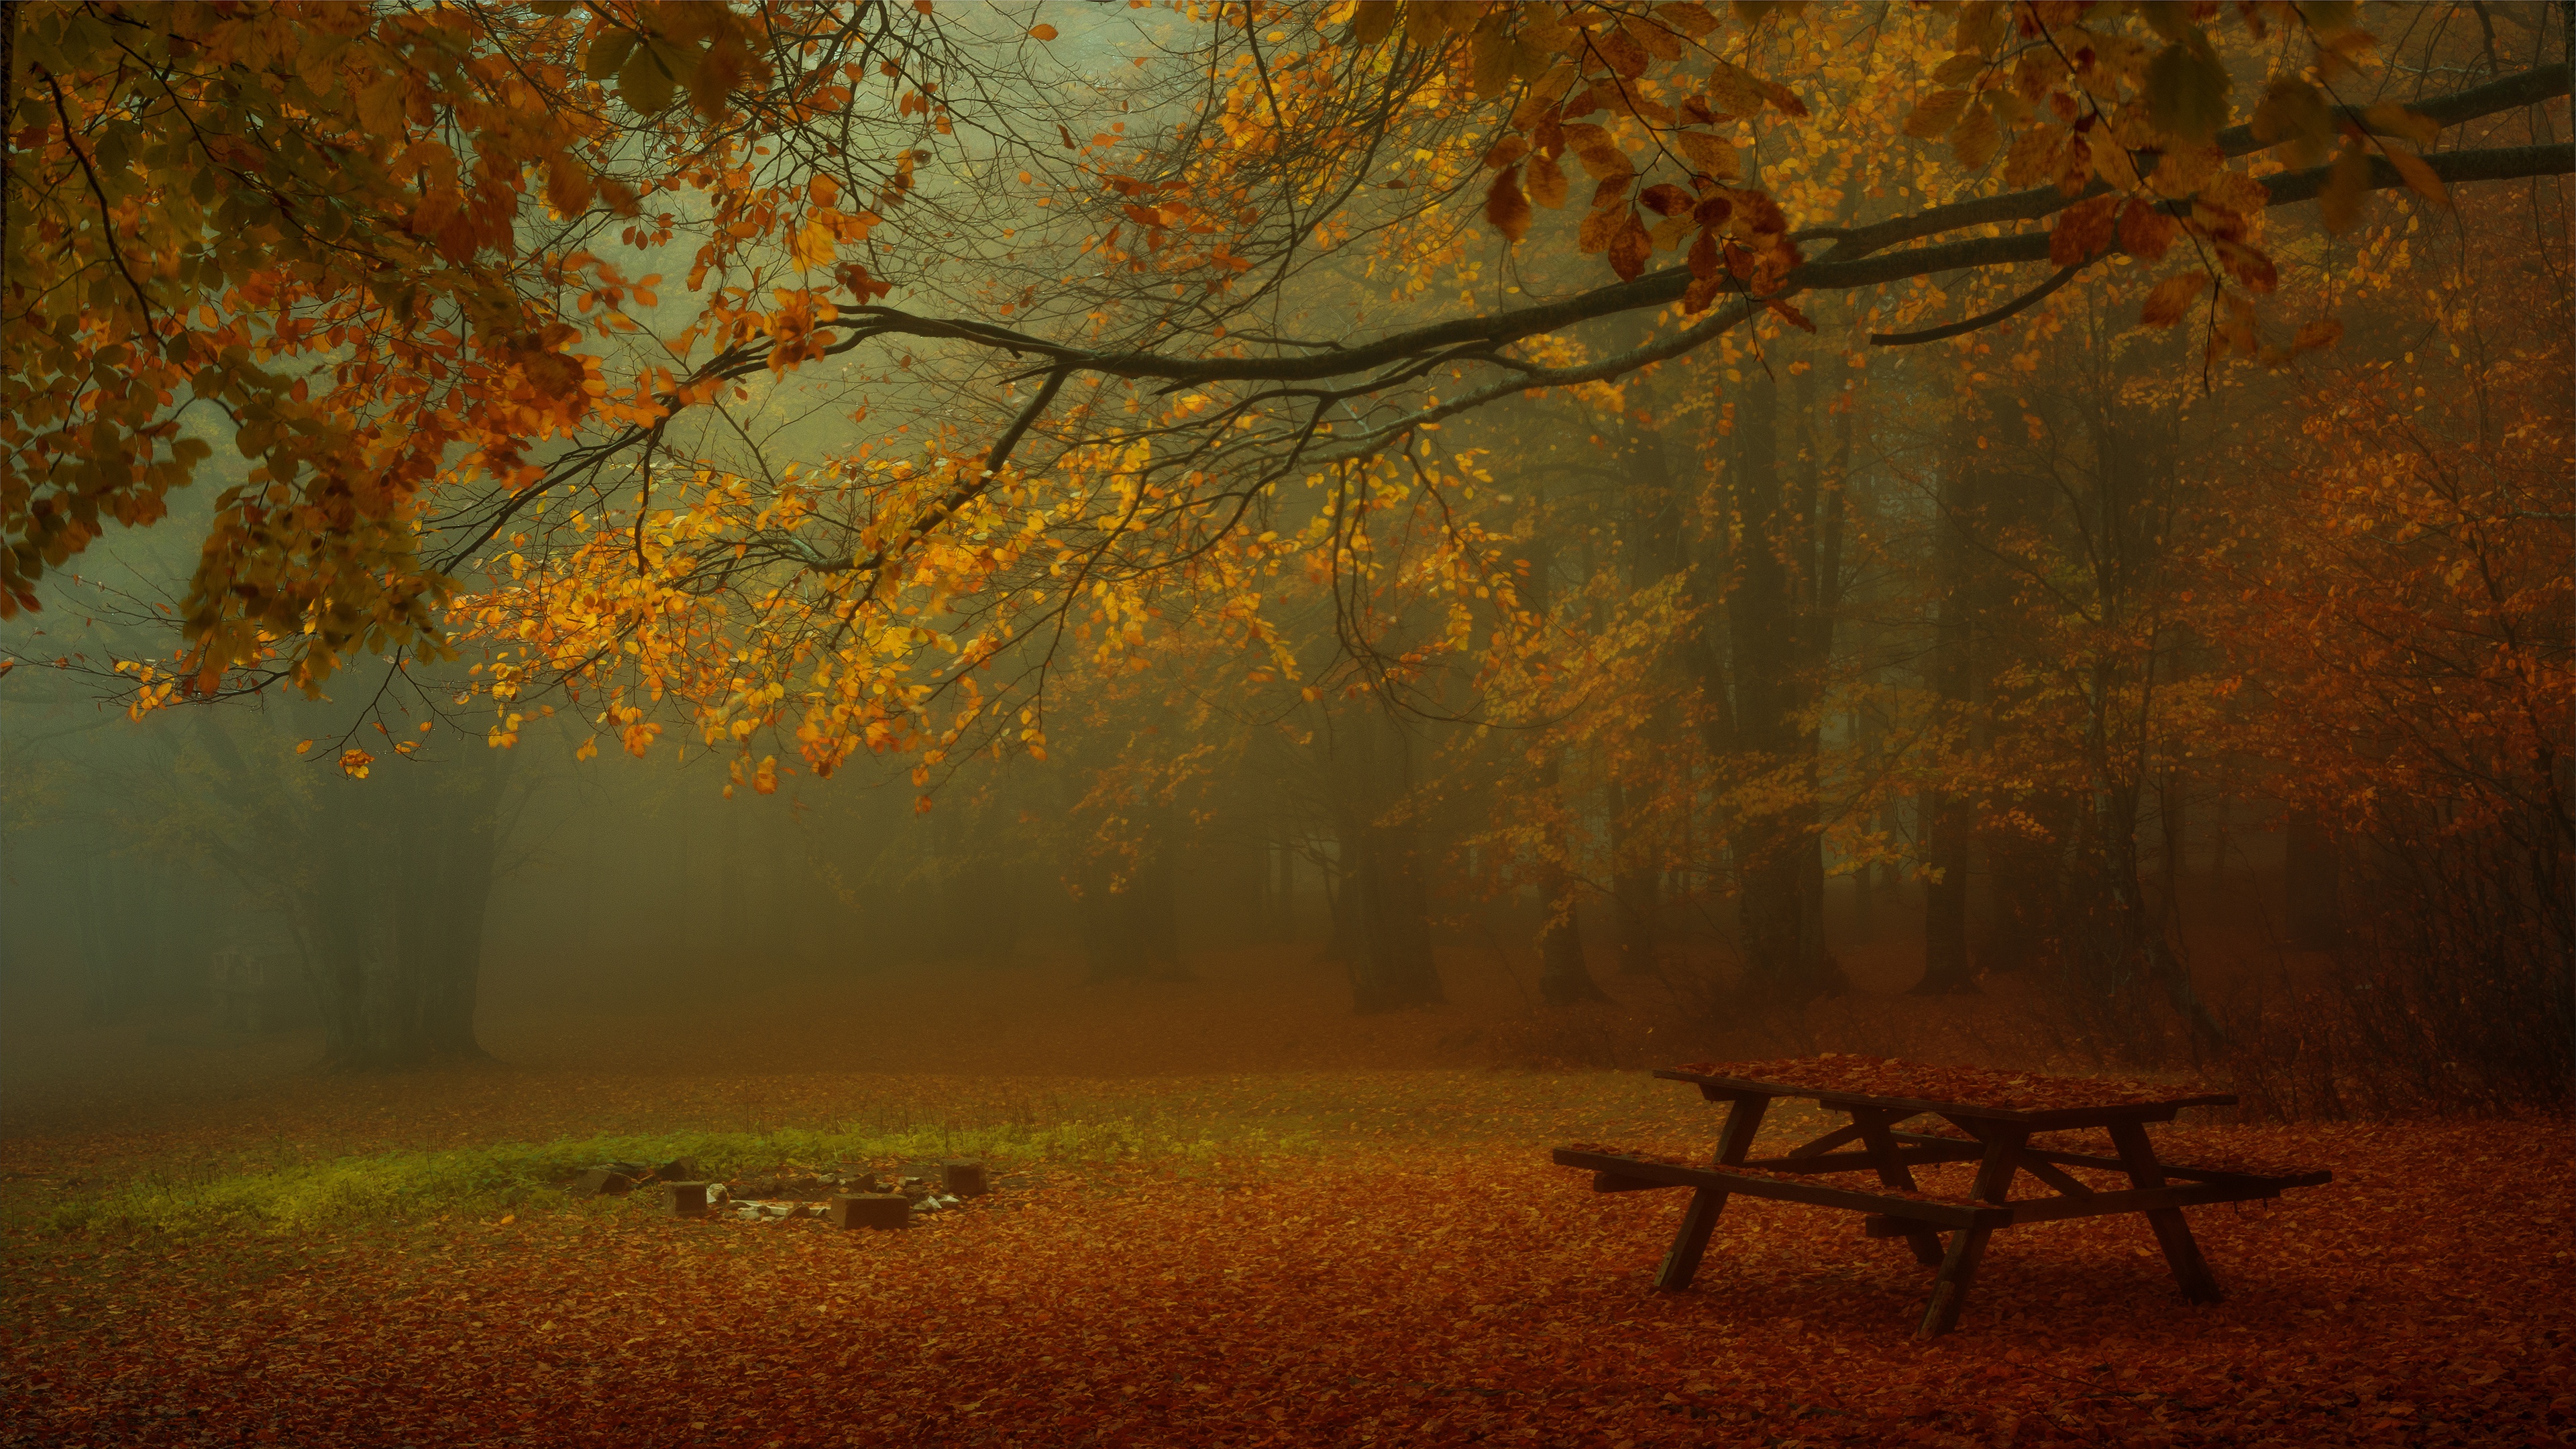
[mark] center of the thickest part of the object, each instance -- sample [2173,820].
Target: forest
[750,722]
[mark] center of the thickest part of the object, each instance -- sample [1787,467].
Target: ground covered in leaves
[1351,1258]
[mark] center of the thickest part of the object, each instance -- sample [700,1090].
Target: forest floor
[1352,1239]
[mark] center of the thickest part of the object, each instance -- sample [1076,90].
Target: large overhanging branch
[1858,259]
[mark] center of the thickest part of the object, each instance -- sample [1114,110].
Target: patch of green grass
[1190,1126]
[401,1186]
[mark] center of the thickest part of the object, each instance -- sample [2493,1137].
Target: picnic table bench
[1989,1118]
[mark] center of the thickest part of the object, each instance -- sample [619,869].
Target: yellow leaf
[304,747]
[813,246]
[1976,138]
[1714,155]
[2421,129]
[2419,177]
[2171,300]
[2347,187]
[1935,114]
[1732,90]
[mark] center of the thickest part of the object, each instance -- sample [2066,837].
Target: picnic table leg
[1743,1119]
[1892,1172]
[1968,1245]
[2190,1269]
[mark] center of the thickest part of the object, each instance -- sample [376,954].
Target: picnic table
[1990,1118]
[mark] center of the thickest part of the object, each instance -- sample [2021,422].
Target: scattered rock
[603,1182]
[869,1210]
[685,1199]
[963,1177]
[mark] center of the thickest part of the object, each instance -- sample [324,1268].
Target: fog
[1219,628]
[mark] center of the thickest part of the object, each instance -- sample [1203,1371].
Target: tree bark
[1948,821]
[2311,882]
[1390,964]
[1770,619]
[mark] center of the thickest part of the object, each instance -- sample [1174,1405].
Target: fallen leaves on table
[1886,1077]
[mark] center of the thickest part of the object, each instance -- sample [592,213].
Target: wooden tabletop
[1886,1084]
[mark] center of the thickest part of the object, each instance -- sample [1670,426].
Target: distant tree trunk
[1948,835]
[2028,871]
[1864,904]
[1564,977]
[108,906]
[1769,615]
[2311,881]
[1153,917]
[1389,904]
[405,889]
[1283,920]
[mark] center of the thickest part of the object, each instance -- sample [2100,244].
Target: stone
[603,1182]
[678,1169]
[869,1210]
[963,1178]
[684,1199]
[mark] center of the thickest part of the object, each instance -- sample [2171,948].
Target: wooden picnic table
[1989,1118]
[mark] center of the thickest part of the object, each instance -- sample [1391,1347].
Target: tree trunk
[1636,903]
[1283,919]
[1770,621]
[1947,970]
[1391,965]
[1564,977]
[2311,882]
[404,894]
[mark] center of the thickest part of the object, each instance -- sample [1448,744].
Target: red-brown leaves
[2083,230]
[1416,1292]
[1630,247]
[2146,231]
[1506,209]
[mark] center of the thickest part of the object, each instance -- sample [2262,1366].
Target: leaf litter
[1397,1283]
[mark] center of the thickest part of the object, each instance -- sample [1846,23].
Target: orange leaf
[2419,177]
[2248,265]
[1505,207]
[2171,300]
